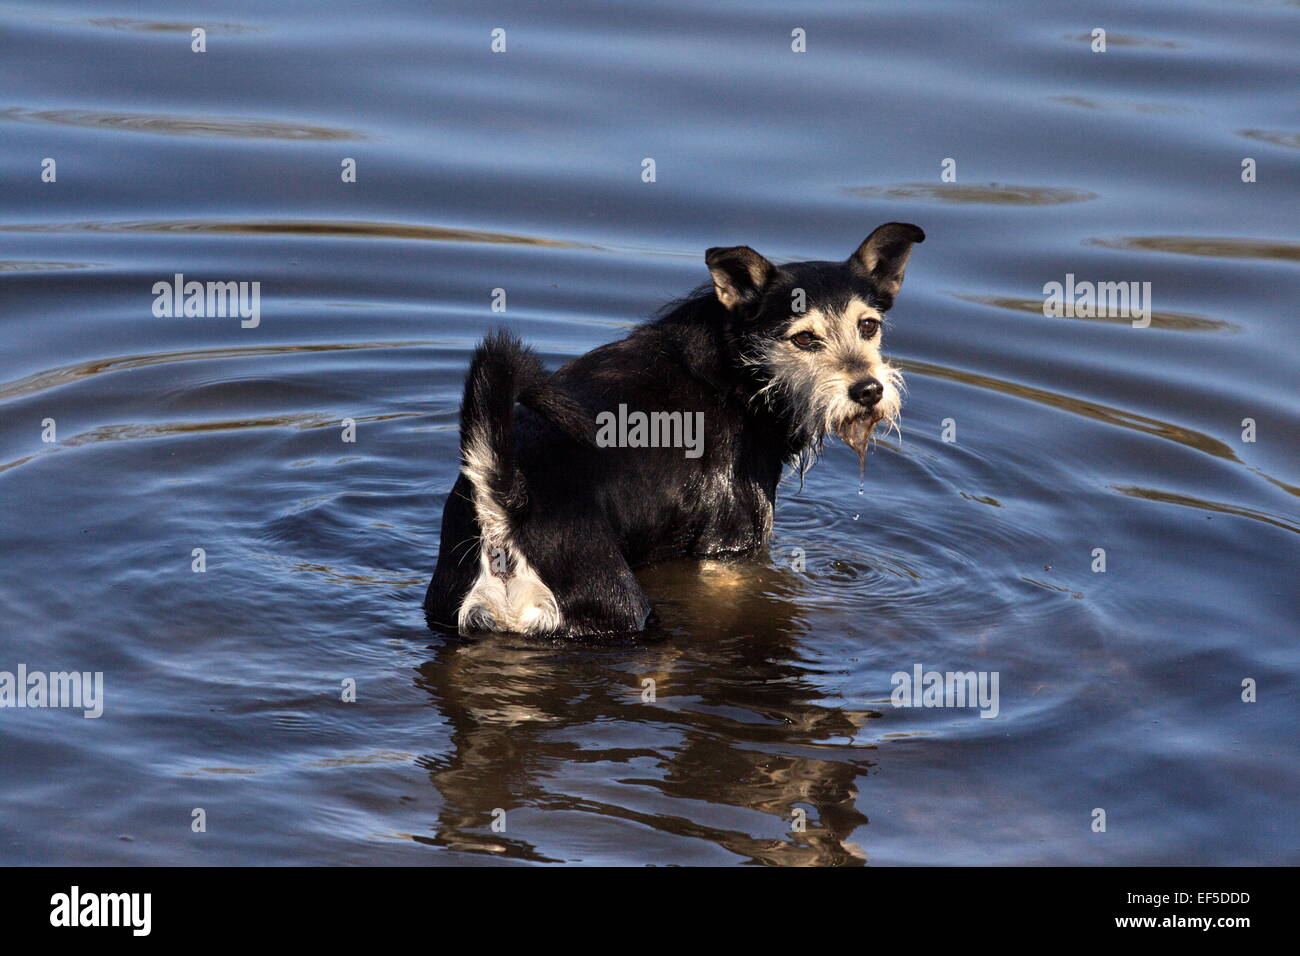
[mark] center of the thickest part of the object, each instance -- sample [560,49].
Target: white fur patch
[518,603]
[515,601]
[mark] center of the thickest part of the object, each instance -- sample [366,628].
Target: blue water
[1119,690]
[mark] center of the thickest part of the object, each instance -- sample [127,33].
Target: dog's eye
[868,327]
[806,340]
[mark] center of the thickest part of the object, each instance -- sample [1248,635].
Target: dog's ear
[739,275]
[884,254]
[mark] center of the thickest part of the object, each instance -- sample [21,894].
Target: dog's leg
[458,559]
[593,586]
[508,595]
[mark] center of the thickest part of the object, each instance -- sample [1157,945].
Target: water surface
[522,171]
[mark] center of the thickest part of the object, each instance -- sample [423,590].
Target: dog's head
[809,334]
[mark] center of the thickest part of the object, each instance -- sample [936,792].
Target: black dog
[665,444]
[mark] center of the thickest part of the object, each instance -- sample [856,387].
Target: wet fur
[543,528]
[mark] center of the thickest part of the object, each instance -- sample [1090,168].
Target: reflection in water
[1190,501]
[1217,247]
[172,125]
[735,720]
[372,578]
[303,227]
[27,265]
[1123,39]
[988,194]
[1088,103]
[1077,595]
[1291,140]
[1078,406]
[134,25]
[154,430]
[67,374]
[1173,321]
[160,26]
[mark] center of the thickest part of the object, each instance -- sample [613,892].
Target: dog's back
[542,529]
[549,515]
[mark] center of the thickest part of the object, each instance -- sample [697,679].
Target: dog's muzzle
[856,430]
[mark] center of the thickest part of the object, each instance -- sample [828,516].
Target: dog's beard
[857,426]
[856,432]
[817,406]
[857,429]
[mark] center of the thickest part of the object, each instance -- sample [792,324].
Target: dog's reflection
[712,713]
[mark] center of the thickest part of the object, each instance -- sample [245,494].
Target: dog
[563,491]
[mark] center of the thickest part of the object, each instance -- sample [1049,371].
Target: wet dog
[668,443]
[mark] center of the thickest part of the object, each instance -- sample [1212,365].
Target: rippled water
[522,171]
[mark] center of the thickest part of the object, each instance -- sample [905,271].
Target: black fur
[584,516]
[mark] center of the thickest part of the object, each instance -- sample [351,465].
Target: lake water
[1028,441]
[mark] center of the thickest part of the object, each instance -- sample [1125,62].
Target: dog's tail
[502,373]
[508,594]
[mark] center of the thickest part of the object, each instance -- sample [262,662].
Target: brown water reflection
[29,265]
[1123,39]
[987,194]
[1078,406]
[176,125]
[736,720]
[134,24]
[1173,321]
[1286,138]
[1191,501]
[162,26]
[1091,103]
[337,228]
[1214,246]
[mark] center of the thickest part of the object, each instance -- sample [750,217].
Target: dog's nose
[866,392]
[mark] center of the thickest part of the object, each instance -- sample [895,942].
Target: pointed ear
[739,275]
[884,254]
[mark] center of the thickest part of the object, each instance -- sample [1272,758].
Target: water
[522,171]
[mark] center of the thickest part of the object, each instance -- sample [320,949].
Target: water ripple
[1086,103]
[1078,406]
[984,194]
[1214,246]
[31,265]
[167,124]
[132,25]
[1289,139]
[1189,501]
[1124,39]
[1173,321]
[290,227]
[67,374]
